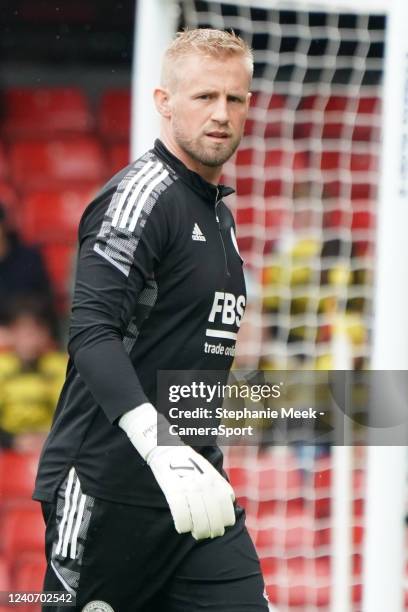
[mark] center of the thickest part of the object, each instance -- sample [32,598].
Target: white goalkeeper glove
[199,498]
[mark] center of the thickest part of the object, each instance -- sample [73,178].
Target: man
[132,524]
[23,273]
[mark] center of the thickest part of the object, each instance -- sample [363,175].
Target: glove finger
[213,505]
[200,522]
[226,504]
[180,511]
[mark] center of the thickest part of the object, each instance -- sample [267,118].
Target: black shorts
[131,559]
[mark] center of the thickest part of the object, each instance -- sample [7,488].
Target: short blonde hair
[206,42]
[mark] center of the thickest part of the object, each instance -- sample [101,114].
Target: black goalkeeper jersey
[159,282]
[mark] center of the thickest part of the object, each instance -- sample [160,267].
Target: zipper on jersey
[217,201]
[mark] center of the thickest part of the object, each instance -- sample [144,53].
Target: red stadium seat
[277,158]
[28,576]
[357,570]
[9,199]
[364,190]
[245,186]
[266,115]
[55,163]
[293,530]
[322,479]
[299,581]
[279,477]
[4,575]
[245,157]
[114,114]
[309,117]
[46,111]
[338,104]
[29,572]
[4,168]
[330,117]
[363,162]
[330,160]
[245,215]
[367,124]
[336,218]
[335,118]
[363,219]
[54,215]
[273,158]
[355,163]
[240,479]
[60,261]
[333,129]
[369,105]
[270,188]
[274,219]
[118,156]
[310,103]
[22,531]
[17,475]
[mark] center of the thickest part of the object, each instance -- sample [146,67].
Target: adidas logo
[197,234]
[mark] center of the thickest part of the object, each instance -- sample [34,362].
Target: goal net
[306,190]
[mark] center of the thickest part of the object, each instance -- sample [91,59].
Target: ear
[248,100]
[162,101]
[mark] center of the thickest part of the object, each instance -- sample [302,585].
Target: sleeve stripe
[133,198]
[71,516]
[80,514]
[67,504]
[144,197]
[117,265]
[126,192]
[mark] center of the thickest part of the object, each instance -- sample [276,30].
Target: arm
[113,268]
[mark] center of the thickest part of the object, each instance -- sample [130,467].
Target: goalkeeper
[133,525]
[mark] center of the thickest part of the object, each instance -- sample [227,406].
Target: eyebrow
[212,92]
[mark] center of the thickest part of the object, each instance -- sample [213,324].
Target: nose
[220,110]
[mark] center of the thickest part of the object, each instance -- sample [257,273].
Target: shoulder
[131,194]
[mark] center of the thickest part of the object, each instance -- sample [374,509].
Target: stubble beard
[214,155]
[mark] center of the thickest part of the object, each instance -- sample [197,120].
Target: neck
[208,173]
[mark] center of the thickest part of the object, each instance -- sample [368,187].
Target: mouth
[218,135]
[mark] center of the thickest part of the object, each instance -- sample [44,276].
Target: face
[30,339]
[207,106]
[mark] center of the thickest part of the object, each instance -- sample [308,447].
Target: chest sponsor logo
[198,234]
[226,310]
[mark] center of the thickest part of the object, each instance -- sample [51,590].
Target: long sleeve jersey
[159,281]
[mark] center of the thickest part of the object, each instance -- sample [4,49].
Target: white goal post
[383,550]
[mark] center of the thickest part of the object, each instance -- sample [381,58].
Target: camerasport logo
[97,606]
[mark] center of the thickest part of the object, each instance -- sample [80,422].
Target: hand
[199,498]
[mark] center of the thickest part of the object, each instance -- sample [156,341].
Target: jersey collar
[194,180]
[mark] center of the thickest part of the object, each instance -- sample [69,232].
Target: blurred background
[307,193]
[65,71]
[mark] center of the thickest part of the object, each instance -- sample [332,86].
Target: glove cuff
[140,425]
